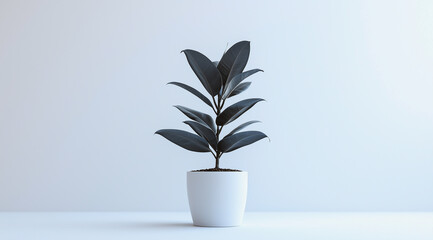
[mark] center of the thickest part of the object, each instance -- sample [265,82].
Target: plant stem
[214,110]
[222,105]
[218,107]
[213,154]
[217,162]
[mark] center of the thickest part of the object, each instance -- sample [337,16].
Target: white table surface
[259,225]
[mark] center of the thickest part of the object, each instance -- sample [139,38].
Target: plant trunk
[218,154]
[217,162]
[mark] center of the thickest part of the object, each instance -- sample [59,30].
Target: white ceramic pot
[217,199]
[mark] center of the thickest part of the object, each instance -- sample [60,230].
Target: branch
[215,156]
[216,105]
[214,110]
[224,101]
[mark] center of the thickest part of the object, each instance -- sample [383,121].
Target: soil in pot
[217,170]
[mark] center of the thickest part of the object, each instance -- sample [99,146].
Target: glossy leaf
[240,88]
[236,110]
[204,132]
[198,116]
[240,63]
[205,70]
[231,85]
[240,127]
[193,91]
[227,62]
[185,139]
[239,140]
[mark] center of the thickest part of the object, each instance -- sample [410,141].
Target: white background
[349,111]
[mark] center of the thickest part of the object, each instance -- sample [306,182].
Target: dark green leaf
[239,140]
[240,127]
[240,88]
[240,63]
[193,91]
[236,110]
[198,116]
[232,84]
[204,132]
[205,70]
[185,139]
[227,62]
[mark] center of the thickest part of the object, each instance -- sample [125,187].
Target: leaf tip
[186,51]
[266,136]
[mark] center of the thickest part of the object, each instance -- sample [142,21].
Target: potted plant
[217,196]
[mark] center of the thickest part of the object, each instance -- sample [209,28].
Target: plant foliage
[222,80]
